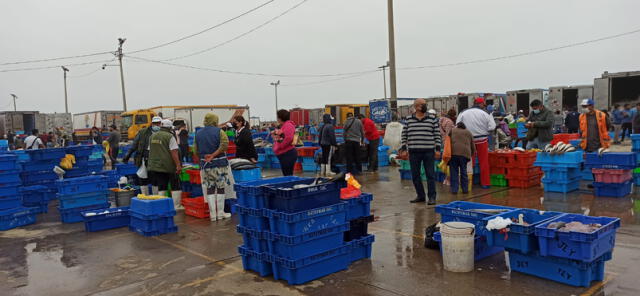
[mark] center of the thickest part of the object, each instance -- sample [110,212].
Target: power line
[237,37]
[251,73]
[86,74]
[58,58]
[528,53]
[57,66]
[205,30]
[328,80]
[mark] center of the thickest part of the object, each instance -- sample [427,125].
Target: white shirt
[173,144]
[29,142]
[478,122]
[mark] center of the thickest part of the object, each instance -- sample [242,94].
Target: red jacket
[370,130]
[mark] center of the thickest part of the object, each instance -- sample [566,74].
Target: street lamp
[14,102]
[66,103]
[384,77]
[275,85]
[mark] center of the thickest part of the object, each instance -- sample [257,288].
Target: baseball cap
[166,123]
[478,100]
[156,119]
[587,102]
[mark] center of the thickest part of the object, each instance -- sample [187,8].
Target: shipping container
[616,88]
[520,99]
[299,116]
[463,101]
[18,121]
[568,97]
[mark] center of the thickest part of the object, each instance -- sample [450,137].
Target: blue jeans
[458,172]
[417,159]
[535,143]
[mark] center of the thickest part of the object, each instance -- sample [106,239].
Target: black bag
[429,243]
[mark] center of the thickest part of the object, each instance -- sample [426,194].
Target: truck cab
[134,121]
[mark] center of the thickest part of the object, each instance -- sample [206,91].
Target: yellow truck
[339,111]
[135,120]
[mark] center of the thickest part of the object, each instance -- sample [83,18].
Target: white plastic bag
[393,135]
[142,171]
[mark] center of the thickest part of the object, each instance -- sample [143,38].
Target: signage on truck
[379,111]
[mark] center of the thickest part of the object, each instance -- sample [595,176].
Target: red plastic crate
[523,172]
[194,201]
[521,159]
[524,182]
[499,159]
[196,207]
[306,151]
[231,149]
[498,171]
[185,195]
[194,176]
[297,167]
[612,176]
[565,138]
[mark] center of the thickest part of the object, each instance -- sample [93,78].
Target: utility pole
[392,60]
[275,85]
[384,77]
[14,102]
[66,103]
[119,54]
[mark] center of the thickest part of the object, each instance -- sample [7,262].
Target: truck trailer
[84,122]
[568,97]
[616,88]
[521,99]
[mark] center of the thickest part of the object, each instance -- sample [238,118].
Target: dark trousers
[372,149]
[184,153]
[326,150]
[458,172]
[113,154]
[626,128]
[425,158]
[352,155]
[572,130]
[287,161]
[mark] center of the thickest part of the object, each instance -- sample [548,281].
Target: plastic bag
[142,171]
[393,135]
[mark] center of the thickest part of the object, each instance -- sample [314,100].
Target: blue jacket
[617,117]
[327,132]
[207,142]
[629,115]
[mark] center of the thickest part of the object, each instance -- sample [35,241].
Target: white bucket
[457,246]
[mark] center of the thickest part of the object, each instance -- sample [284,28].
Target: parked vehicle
[568,97]
[84,122]
[616,88]
[520,99]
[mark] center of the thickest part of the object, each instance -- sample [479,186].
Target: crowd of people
[37,140]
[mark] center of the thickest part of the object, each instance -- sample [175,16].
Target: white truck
[84,122]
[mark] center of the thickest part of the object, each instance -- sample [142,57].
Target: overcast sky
[319,37]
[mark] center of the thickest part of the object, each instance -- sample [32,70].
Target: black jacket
[572,121]
[244,145]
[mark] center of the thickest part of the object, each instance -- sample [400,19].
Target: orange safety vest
[602,129]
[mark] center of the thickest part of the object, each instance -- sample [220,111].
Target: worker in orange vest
[594,126]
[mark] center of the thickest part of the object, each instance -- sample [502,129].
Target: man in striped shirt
[421,140]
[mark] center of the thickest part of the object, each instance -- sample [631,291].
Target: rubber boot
[211,200]
[154,190]
[162,193]
[323,170]
[177,200]
[144,189]
[220,198]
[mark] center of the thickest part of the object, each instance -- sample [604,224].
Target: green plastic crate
[499,181]
[404,164]
[636,171]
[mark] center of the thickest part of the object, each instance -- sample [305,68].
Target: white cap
[229,124]
[431,111]
[166,123]
[156,119]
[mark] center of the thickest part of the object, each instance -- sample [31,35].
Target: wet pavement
[50,258]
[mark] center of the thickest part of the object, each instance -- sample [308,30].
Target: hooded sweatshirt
[283,138]
[327,132]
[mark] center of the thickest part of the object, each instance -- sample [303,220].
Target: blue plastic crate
[306,221]
[309,167]
[80,150]
[10,201]
[254,261]
[359,206]
[570,272]
[567,160]
[560,186]
[8,162]
[196,190]
[462,211]
[34,194]
[46,154]
[76,173]
[254,240]
[274,159]
[38,176]
[275,165]
[304,245]
[611,160]
[105,219]
[154,233]
[300,271]
[11,176]
[361,248]
[71,201]
[261,157]
[251,218]
[307,160]
[561,173]
[481,248]
[247,175]
[41,207]
[405,174]
[82,184]
[17,217]
[613,189]
[577,245]
[142,225]
[74,215]
[152,208]
[125,169]
[635,142]
[576,143]
[519,237]
[283,197]
[252,194]
[587,175]
[33,166]
[9,189]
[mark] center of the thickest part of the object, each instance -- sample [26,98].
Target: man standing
[594,127]
[572,121]
[372,135]
[480,124]
[33,141]
[627,118]
[11,139]
[618,116]
[211,144]
[421,140]
[636,119]
[140,147]
[114,143]
[164,163]
[353,139]
[540,126]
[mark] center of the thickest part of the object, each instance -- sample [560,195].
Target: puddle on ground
[46,271]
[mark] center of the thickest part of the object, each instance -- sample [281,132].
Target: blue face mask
[155,128]
[536,111]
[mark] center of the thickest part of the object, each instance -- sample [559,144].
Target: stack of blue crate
[309,163]
[383,156]
[264,161]
[152,217]
[81,154]
[297,234]
[618,161]
[77,195]
[38,170]
[561,171]
[635,148]
[359,217]
[37,196]
[12,213]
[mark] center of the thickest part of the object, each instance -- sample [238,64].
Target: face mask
[585,110]
[536,111]
[155,128]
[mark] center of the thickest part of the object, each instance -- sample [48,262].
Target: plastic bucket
[457,246]
[123,198]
